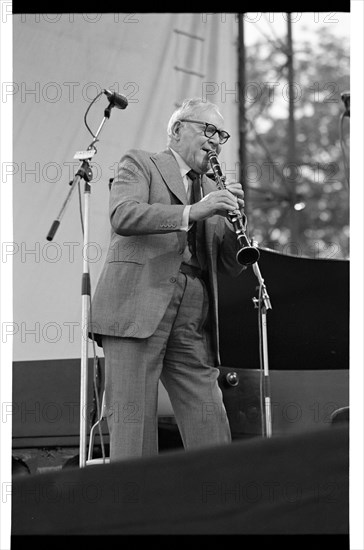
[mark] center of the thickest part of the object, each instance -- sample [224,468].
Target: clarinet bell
[247,255]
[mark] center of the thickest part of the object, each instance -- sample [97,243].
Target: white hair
[188,108]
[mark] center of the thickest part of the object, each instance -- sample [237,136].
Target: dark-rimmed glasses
[210,130]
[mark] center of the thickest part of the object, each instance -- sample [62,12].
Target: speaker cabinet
[241,395]
[300,400]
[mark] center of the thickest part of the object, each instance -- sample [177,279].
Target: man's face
[192,144]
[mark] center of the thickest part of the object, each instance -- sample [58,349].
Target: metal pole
[263,303]
[291,134]
[242,114]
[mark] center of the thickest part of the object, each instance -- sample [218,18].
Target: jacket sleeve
[129,207]
[229,246]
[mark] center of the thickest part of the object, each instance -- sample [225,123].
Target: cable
[86,113]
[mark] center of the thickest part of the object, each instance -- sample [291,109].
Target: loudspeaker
[340,415]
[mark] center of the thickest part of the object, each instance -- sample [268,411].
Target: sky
[272,25]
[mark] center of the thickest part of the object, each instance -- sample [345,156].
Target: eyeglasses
[210,130]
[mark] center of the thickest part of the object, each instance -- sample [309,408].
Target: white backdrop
[61,62]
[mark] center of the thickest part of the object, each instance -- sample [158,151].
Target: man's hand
[236,189]
[219,202]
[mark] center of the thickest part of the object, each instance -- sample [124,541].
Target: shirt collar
[183,166]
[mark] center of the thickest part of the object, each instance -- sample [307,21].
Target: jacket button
[173,279]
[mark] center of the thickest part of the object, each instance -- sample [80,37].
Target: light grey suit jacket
[147,199]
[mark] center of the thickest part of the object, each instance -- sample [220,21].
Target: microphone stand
[84,173]
[263,304]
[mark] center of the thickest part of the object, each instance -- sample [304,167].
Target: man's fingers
[217,202]
[236,189]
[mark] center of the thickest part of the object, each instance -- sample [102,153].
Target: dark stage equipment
[296,485]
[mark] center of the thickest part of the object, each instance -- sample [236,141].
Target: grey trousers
[179,354]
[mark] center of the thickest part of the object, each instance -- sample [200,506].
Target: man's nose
[214,139]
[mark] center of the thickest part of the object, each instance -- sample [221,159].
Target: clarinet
[247,254]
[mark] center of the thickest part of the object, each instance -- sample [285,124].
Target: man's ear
[176,130]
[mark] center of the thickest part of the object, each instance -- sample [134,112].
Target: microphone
[116,99]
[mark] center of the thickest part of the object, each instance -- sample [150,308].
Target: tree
[301,209]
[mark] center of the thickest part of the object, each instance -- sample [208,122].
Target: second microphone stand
[263,304]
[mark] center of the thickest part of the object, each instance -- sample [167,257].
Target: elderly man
[155,309]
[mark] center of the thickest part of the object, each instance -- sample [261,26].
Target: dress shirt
[184,168]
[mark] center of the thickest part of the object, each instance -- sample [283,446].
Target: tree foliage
[300,208]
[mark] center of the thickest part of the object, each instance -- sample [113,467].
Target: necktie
[196,233]
[196,186]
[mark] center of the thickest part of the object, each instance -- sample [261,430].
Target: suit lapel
[208,229]
[207,185]
[169,170]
